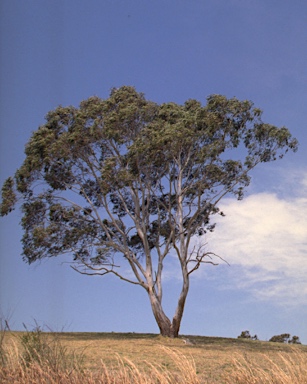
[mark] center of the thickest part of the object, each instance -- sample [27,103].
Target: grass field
[147,358]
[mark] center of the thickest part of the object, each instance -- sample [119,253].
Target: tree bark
[169,328]
[162,320]
[180,307]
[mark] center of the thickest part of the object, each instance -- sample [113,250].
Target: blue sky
[61,52]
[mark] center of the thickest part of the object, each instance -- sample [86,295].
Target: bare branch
[107,271]
[200,260]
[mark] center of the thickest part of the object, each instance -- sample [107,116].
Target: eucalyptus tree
[122,183]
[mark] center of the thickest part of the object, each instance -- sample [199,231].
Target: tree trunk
[162,320]
[181,303]
[168,328]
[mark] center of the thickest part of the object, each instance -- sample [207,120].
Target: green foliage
[122,157]
[294,340]
[285,338]
[4,327]
[46,350]
[126,180]
[8,197]
[35,345]
[247,335]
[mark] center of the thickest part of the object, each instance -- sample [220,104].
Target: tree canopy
[126,180]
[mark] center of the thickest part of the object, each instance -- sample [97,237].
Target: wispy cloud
[264,238]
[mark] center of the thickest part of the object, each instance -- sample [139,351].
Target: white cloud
[264,238]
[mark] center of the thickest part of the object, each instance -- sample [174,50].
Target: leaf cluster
[285,338]
[247,335]
[124,175]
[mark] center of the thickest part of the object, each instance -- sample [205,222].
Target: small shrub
[45,349]
[35,345]
[247,335]
[295,340]
[4,327]
[285,338]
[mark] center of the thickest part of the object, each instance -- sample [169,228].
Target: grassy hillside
[148,358]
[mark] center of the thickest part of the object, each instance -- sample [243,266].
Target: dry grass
[284,368]
[149,359]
